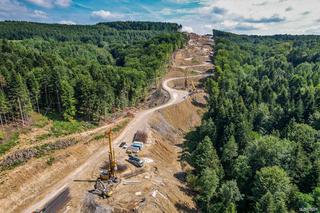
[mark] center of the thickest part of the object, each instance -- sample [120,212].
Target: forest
[258,147]
[80,71]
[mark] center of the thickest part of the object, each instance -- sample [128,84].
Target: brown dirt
[36,177]
[183,116]
[160,187]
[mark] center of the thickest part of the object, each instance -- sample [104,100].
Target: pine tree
[67,100]
[4,107]
[229,154]
[19,98]
[205,156]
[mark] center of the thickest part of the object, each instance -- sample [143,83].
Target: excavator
[108,178]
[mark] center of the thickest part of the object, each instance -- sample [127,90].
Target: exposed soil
[33,179]
[160,186]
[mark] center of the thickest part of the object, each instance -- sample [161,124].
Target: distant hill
[132,25]
[126,32]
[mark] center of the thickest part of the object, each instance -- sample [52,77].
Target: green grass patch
[50,160]
[99,137]
[2,135]
[39,120]
[193,72]
[43,137]
[60,128]
[119,126]
[194,61]
[9,144]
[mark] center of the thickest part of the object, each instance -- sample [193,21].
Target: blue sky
[200,16]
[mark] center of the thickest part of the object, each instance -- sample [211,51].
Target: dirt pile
[157,97]
[90,206]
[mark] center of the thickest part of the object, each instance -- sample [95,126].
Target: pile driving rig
[108,179]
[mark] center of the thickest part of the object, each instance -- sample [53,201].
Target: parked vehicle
[132,149]
[136,161]
[138,146]
[138,143]
[122,144]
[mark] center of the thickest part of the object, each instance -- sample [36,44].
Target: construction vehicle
[110,174]
[108,178]
[101,189]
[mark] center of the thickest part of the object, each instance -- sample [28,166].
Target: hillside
[99,34]
[78,72]
[257,149]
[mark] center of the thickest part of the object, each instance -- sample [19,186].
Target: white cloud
[67,22]
[42,3]
[14,10]
[166,11]
[187,29]
[104,15]
[40,14]
[63,3]
[11,6]
[51,3]
[182,1]
[252,16]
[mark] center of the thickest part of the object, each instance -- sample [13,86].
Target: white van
[138,143]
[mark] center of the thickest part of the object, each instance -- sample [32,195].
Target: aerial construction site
[131,164]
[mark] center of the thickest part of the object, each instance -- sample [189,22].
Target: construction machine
[108,179]
[110,174]
[101,189]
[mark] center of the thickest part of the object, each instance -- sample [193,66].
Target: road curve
[138,123]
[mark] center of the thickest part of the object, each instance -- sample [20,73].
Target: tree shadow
[183,207]
[181,176]
[187,191]
[180,145]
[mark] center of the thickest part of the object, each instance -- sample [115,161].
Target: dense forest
[258,147]
[101,34]
[80,71]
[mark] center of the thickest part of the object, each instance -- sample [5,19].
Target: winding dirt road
[138,123]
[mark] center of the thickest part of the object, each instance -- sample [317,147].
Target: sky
[262,17]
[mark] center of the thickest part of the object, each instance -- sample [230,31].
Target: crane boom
[112,159]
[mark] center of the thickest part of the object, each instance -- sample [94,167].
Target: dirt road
[138,123]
